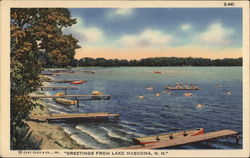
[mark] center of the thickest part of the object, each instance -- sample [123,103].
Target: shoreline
[53,136]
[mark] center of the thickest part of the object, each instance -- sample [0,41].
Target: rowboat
[167,136]
[88,71]
[78,82]
[183,88]
[64,101]
[157,72]
[188,94]
[96,93]
[149,88]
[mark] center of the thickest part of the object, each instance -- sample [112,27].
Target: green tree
[35,33]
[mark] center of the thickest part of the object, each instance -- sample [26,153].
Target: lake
[155,114]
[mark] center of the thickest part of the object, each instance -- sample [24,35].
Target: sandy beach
[52,136]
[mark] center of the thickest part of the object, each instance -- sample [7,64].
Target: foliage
[36,39]
[159,61]
[22,134]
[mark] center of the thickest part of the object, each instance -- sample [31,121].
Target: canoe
[64,101]
[183,88]
[167,136]
[78,82]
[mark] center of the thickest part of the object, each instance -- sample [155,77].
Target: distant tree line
[158,61]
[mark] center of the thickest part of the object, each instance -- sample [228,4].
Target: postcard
[124,79]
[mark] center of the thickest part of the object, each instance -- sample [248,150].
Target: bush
[22,138]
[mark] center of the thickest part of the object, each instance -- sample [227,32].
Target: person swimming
[141,97]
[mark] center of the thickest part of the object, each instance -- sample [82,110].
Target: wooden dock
[72,96]
[186,140]
[57,88]
[66,81]
[77,117]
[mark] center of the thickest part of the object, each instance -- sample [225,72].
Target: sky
[136,33]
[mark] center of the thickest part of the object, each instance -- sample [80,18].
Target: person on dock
[171,136]
[176,85]
[158,138]
[191,85]
[185,134]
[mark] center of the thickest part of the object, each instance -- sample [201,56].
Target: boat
[64,101]
[140,97]
[88,71]
[228,92]
[183,88]
[188,94]
[78,82]
[96,93]
[149,88]
[167,136]
[157,72]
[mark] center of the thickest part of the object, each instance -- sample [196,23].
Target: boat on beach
[167,136]
[64,101]
[78,82]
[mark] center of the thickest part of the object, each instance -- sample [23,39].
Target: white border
[5,69]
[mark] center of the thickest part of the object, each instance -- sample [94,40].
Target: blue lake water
[155,114]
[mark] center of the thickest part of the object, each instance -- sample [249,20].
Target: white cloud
[92,35]
[123,11]
[120,12]
[186,27]
[147,38]
[85,34]
[216,34]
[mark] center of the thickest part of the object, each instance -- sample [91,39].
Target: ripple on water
[94,134]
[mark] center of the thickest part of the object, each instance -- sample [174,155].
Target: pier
[57,88]
[75,97]
[186,140]
[71,96]
[104,116]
